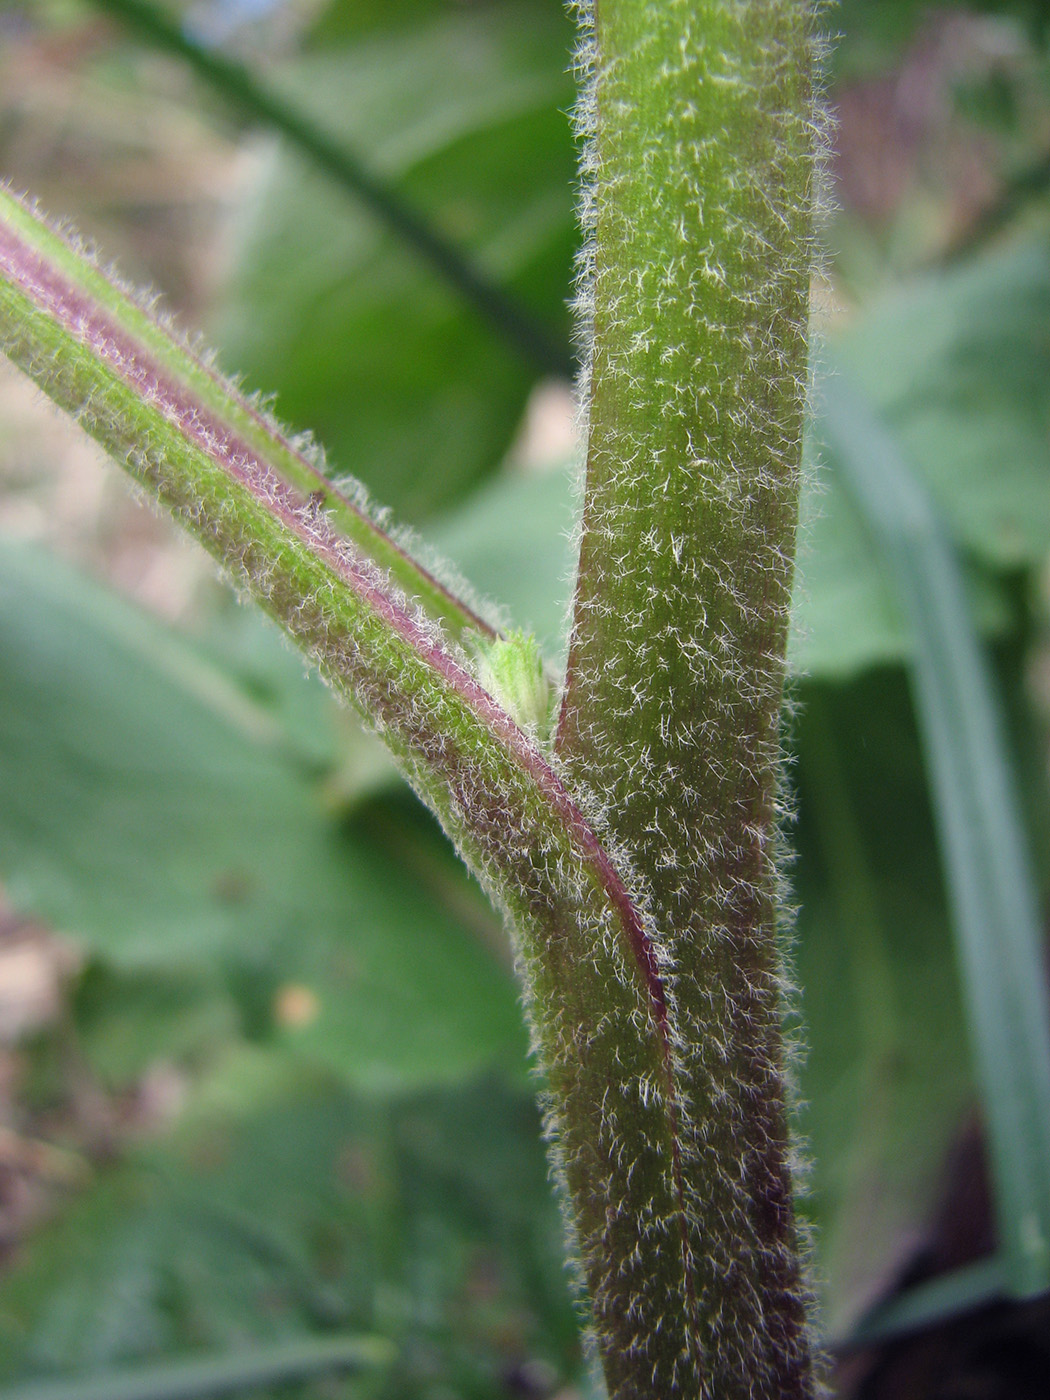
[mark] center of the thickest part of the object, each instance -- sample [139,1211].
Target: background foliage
[263,920]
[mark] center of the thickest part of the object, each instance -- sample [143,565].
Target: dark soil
[1000,1351]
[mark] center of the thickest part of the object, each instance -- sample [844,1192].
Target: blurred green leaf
[886,1077]
[351,172]
[995,911]
[958,366]
[296,1207]
[149,806]
[127,1022]
[407,388]
[845,616]
[262,663]
[513,540]
[343,20]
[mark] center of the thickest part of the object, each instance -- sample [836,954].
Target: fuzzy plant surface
[628,826]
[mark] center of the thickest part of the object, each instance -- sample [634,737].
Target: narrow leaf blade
[283,1364]
[985,862]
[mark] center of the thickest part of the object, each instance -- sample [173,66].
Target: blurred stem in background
[251,98]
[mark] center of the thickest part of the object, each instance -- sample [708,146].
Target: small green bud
[511,670]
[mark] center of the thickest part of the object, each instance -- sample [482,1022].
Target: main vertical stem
[700,128]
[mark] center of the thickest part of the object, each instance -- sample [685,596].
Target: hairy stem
[387,638]
[75,303]
[636,863]
[700,137]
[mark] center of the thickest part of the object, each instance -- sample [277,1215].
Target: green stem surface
[701,137]
[63,288]
[637,863]
[387,639]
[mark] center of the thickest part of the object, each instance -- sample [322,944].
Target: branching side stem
[593,981]
[634,858]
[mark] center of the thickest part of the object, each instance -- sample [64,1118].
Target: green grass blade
[934,1301]
[225,1375]
[985,862]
